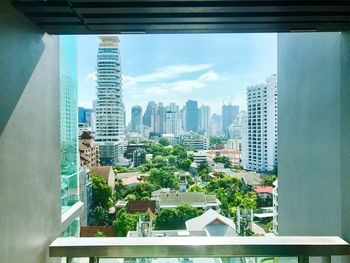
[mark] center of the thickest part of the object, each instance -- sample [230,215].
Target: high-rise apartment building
[109,104]
[204,118]
[229,114]
[172,120]
[191,115]
[262,126]
[136,119]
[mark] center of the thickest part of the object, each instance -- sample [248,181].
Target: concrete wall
[29,139]
[314,134]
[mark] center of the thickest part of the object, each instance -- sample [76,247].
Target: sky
[210,68]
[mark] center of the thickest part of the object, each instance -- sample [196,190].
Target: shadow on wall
[14,74]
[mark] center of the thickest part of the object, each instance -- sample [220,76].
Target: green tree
[175,218]
[101,192]
[163,178]
[101,216]
[223,159]
[124,223]
[100,234]
[215,139]
[248,200]
[140,191]
[268,180]
[196,188]
[179,151]
[185,164]
[164,141]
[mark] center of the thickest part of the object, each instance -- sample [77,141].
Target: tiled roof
[264,189]
[86,135]
[137,206]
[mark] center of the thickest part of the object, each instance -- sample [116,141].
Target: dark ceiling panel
[181,16]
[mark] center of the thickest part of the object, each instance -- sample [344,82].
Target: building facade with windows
[109,103]
[136,119]
[262,126]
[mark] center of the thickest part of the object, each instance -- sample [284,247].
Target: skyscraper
[147,117]
[262,126]
[172,120]
[229,114]
[204,117]
[136,119]
[191,115]
[109,104]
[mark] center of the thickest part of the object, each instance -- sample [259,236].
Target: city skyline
[171,72]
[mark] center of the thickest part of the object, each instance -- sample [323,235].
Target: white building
[195,142]
[262,126]
[204,118]
[109,104]
[172,120]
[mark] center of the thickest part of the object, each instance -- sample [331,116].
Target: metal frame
[204,247]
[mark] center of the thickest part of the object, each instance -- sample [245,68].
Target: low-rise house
[195,199]
[264,192]
[214,223]
[140,206]
[105,172]
[130,179]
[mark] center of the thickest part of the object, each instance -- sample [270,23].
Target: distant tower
[136,119]
[109,104]
[192,117]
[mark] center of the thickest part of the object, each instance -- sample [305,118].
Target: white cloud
[91,77]
[167,73]
[183,86]
[209,76]
[128,80]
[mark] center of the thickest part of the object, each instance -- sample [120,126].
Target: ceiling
[185,16]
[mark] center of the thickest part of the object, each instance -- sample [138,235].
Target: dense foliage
[125,222]
[101,192]
[175,218]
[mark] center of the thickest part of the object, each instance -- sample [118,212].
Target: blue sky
[210,68]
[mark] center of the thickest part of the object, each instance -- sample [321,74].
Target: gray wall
[30,213]
[314,134]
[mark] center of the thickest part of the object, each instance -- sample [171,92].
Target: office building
[262,126]
[195,142]
[136,119]
[85,116]
[109,104]
[172,120]
[191,116]
[229,114]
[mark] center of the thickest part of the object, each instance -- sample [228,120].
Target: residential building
[130,148]
[109,104]
[191,116]
[204,118]
[136,119]
[234,144]
[88,150]
[264,192]
[229,114]
[214,223]
[233,155]
[262,126]
[172,120]
[106,173]
[198,157]
[195,142]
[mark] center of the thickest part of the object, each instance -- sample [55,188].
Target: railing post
[69,260]
[303,259]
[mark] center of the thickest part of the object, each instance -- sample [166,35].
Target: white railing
[203,247]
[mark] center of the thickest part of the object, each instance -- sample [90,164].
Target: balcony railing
[199,247]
